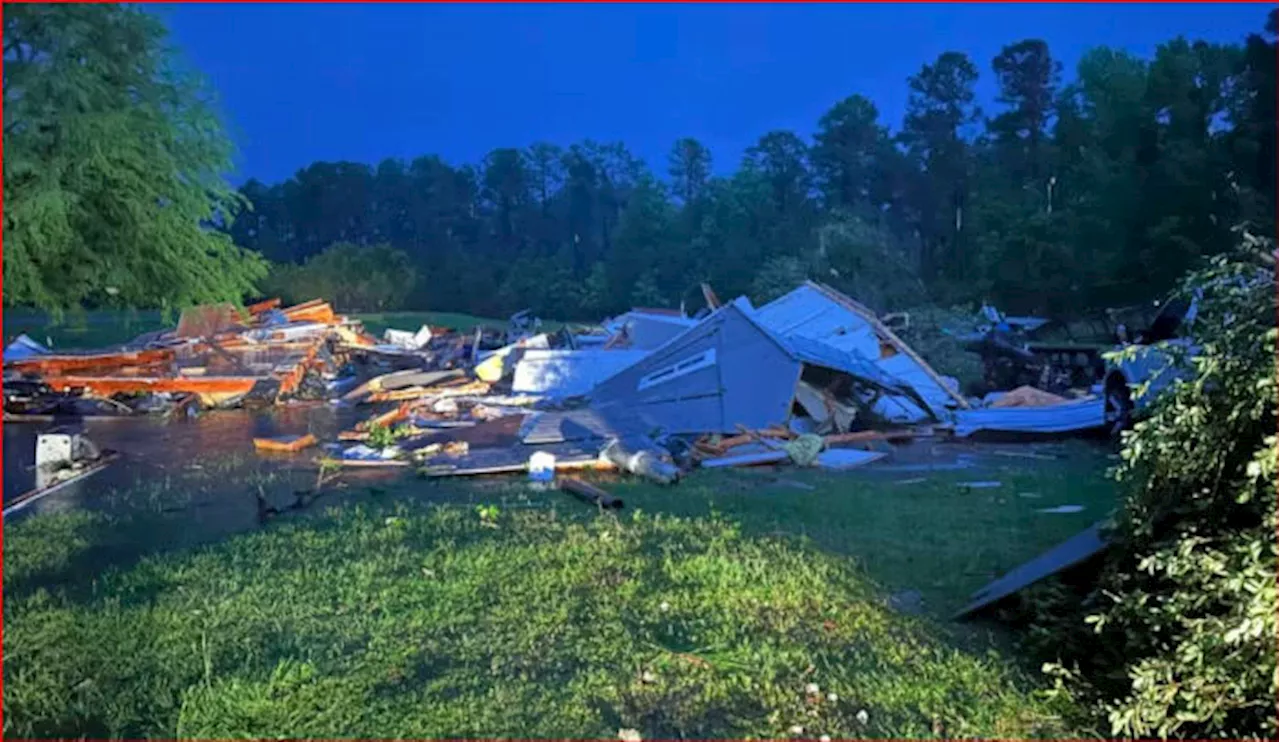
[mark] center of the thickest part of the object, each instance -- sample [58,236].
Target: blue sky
[362,82]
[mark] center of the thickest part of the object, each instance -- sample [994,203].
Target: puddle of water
[197,458]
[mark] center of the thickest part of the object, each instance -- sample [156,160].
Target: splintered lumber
[212,390]
[316,310]
[864,436]
[590,493]
[399,395]
[713,301]
[384,419]
[758,438]
[285,444]
[263,306]
[58,365]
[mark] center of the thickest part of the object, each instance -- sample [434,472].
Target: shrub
[934,332]
[355,278]
[1180,636]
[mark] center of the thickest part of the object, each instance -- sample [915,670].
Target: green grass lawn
[704,610]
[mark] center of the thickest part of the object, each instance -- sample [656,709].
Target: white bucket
[542,468]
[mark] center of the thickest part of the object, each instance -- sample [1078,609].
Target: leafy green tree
[1254,135]
[845,154]
[777,277]
[1070,199]
[1028,78]
[689,166]
[782,158]
[940,109]
[867,261]
[113,167]
[356,278]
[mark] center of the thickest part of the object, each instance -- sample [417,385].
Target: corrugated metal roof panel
[810,313]
[567,373]
[806,312]
[1084,414]
[1073,551]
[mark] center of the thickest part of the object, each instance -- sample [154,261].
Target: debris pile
[811,379]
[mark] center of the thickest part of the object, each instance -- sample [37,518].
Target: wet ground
[206,465]
[203,474]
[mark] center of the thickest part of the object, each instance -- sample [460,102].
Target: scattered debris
[805,450]
[810,379]
[1067,417]
[746,459]
[847,458]
[1027,455]
[1062,509]
[23,347]
[907,601]
[641,458]
[979,485]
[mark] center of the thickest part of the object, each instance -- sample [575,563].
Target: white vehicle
[1151,364]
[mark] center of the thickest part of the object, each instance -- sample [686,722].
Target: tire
[1117,407]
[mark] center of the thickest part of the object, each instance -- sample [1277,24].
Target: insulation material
[1027,396]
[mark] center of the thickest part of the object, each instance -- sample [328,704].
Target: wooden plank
[863,436]
[285,444]
[748,459]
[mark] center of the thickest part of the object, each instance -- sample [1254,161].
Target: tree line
[1065,198]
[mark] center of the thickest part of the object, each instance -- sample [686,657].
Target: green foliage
[354,277]
[113,167]
[382,435]
[1184,619]
[776,277]
[934,332]
[869,263]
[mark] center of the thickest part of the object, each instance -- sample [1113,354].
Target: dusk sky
[362,82]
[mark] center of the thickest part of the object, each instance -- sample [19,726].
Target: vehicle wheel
[1118,407]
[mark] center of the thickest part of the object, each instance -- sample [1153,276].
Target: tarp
[23,347]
